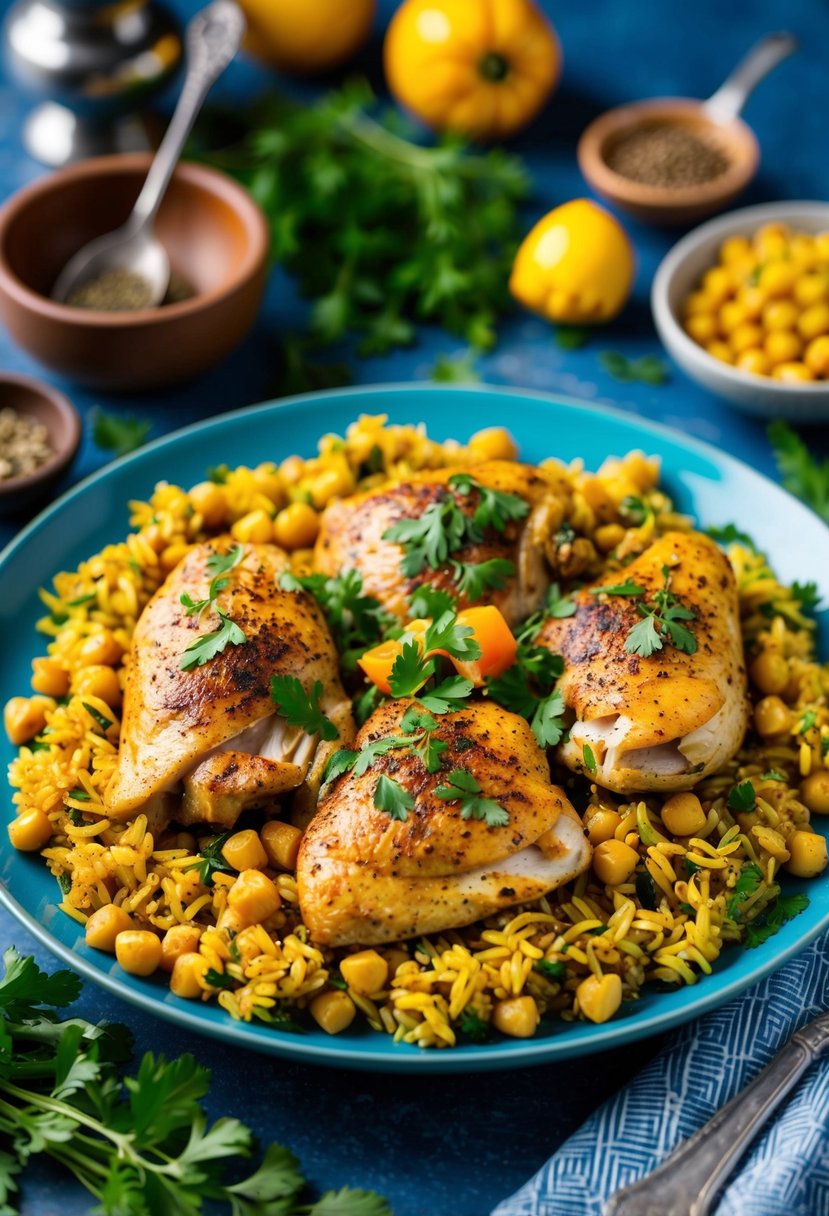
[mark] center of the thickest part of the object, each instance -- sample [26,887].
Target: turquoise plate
[714,487]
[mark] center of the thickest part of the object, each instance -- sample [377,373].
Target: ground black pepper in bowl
[125,291]
[665,154]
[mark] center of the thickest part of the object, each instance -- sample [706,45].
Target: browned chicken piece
[662,722]
[212,734]
[351,535]
[364,877]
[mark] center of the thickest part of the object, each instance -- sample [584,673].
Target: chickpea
[753,360]
[602,824]
[31,830]
[292,470]
[599,997]
[753,300]
[254,528]
[716,283]
[778,278]
[782,346]
[746,337]
[731,315]
[253,897]
[49,677]
[493,443]
[822,246]
[333,1011]
[100,648]
[25,717]
[608,536]
[210,501]
[720,350]
[772,717]
[281,843]
[780,314]
[180,939]
[816,359]
[104,925]
[735,249]
[138,951]
[814,321]
[683,815]
[698,301]
[809,856]
[188,970]
[811,289]
[517,1017]
[334,482]
[296,526]
[702,327]
[98,681]
[244,851]
[803,251]
[792,373]
[366,972]
[268,482]
[814,792]
[614,862]
[770,672]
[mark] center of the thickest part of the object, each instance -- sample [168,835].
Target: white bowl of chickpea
[742,305]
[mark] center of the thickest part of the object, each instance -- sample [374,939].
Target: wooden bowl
[214,232]
[668,205]
[33,399]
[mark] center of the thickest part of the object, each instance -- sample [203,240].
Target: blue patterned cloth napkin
[786,1170]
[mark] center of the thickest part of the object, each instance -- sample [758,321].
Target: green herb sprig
[301,708]
[208,645]
[661,621]
[462,787]
[800,472]
[357,621]
[117,434]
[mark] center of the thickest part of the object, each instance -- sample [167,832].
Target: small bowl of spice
[675,160]
[106,335]
[39,435]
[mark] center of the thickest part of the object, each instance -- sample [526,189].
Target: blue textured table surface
[458,1145]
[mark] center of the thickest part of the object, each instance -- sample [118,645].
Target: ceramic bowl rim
[208,179]
[59,404]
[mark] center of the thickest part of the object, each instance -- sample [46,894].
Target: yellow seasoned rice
[444,989]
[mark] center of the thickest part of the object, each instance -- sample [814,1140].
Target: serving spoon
[213,37]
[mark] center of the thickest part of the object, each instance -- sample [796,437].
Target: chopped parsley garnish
[730,534]
[472,1026]
[806,723]
[356,621]
[773,775]
[635,510]
[527,689]
[661,618]
[219,565]
[301,708]
[119,435]
[784,909]
[450,694]
[475,578]
[218,979]
[212,860]
[431,602]
[747,883]
[415,664]
[78,795]
[463,788]
[550,970]
[97,716]
[589,758]
[205,647]
[628,587]
[558,605]
[800,473]
[443,528]
[742,797]
[389,796]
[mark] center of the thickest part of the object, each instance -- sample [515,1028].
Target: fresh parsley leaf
[462,787]
[643,638]
[807,595]
[429,539]
[472,1026]
[432,602]
[389,796]
[208,645]
[730,534]
[547,720]
[748,881]
[634,510]
[806,723]
[628,587]
[571,337]
[550,970]
[773,775]
[557,604]
[474,579]
[349,1202]
[218,979]
[212,860]
[650,369]
[742,797]
[410,671]
[589,758]
[459,370]
[98,717]
[301,708]
[495,507]
[116,434]
[800,472]
[449,695]
[784,909]
[356,621]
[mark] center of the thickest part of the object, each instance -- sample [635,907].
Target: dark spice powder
[125,291]
[665,154]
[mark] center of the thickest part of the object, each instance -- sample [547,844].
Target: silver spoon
[212,39]
[733,93]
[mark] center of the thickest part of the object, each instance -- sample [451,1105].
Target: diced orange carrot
[494,636]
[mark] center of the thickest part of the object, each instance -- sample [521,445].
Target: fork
[686,1183]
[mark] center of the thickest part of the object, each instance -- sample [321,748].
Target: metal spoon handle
[212,39]
[687,1182]
[733,93]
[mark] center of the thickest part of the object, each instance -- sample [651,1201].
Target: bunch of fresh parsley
[380,233]
[140,1144]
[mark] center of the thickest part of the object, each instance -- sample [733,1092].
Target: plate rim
[468,1057]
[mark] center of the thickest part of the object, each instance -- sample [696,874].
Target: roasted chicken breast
[351,535]
[364,877]
[212,734]
[660,722]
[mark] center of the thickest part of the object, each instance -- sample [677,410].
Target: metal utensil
[729,99]
[212,39]
[687,1182]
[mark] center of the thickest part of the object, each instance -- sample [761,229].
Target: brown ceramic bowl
[667,205]
[33,399]
[214,232]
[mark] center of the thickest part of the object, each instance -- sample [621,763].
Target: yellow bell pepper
[576,266]
[306,36]
[483,67]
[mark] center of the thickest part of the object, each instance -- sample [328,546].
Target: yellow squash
[306,36]
[483,67]
[575,266]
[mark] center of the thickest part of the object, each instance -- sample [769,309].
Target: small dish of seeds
[39,435]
